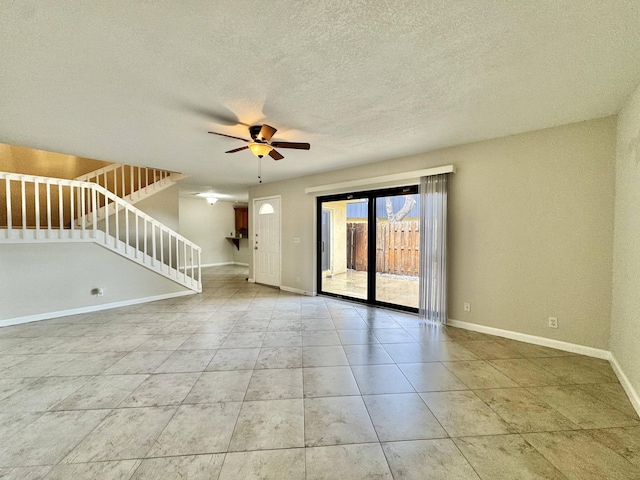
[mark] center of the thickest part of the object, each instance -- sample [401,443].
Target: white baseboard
[524,337]
[633,395]
[289,289]
[631,392]
[216,264]
[224,263]
[94,308]
[298,291]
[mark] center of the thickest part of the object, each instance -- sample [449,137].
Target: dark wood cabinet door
[242,220]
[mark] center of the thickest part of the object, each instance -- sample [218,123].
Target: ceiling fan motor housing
[254,131]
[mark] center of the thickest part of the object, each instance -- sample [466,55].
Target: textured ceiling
[142,82]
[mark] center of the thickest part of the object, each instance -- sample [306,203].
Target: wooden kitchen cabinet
[242,221]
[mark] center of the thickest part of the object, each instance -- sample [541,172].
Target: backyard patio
[397,289]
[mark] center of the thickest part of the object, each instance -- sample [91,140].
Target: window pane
[265,209]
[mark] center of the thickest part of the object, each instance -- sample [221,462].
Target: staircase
[43,209]
[128,182]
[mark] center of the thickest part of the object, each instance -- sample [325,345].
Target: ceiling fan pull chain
[260,169]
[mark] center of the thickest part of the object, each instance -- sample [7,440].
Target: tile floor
[245,382]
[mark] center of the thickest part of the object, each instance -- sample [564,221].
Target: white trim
[524,337]
[408,178]
[220,264]
[631,392]
[217,264]
[297,290]
[251,280]
[95,308]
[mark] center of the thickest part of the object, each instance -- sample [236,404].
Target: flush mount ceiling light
[209,197]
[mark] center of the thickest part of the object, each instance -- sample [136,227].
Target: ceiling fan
[261,143]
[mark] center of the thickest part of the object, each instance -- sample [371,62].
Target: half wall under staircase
[43,209]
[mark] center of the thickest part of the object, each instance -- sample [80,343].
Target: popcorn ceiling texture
[142,82]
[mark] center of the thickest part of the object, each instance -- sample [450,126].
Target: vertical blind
[433,249]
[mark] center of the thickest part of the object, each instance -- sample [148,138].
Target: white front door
[266,241]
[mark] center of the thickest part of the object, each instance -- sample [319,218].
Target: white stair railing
[129,182]
[43,209]
[125,180]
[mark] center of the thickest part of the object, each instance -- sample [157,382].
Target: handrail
[132,233]
[118,183]
[97,173]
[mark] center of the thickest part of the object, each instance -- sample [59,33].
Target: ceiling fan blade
[237,150]
[266,132]
[230,136]
[299,146]
[275,155]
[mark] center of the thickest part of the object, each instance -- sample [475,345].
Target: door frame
[371,195]
[254,221]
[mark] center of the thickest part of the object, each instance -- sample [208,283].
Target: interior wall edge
[632,393]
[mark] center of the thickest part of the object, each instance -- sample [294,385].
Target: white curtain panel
[433,249]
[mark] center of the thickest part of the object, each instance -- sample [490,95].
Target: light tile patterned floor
[246,382]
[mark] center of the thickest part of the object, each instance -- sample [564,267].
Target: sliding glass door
[344,248]
[368,246]
[397,249]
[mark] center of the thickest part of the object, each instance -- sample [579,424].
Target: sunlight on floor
[394,289]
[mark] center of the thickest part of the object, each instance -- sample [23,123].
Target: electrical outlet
[553,322]
[467,307]
[297,279]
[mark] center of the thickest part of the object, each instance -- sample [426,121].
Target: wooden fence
[397,247]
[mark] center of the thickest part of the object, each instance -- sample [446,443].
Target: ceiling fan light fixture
[211,200]
[260,149]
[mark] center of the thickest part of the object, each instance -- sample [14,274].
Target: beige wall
[241,256]
[46,164]
[29,161]
[625,323]
[531,228]
[53,277]
[207,226]
[164,206]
